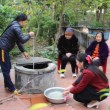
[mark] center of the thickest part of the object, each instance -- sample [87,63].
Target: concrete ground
[25,101]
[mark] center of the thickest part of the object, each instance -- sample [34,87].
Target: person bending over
[11,36]
[87,86]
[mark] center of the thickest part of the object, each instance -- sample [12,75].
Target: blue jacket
[13,35]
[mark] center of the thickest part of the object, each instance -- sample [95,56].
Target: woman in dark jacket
[11,36]
[87,86]
[98,50]
[68,48]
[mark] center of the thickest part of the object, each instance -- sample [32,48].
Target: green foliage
[14,52]
[44,18]
[48,27]
[49,52]
[6,16]
[95,24]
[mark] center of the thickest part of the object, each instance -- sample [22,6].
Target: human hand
[96,58]
[32,34]
[90,57]
[67,90]
[68,54]
[65,93]
[26,55]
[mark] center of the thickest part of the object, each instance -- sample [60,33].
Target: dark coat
[13,34]
[65,45]
[103,50]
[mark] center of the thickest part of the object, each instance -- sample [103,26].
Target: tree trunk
[53,10]
[104,12]
[98,14]
[60,30]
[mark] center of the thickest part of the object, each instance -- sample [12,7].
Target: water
[56,95]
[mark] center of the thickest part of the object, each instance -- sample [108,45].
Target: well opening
[36,66]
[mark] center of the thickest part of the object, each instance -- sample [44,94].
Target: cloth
[13,34]
[71,59]
[95,52]
[88,95]
[6,66]
[64,45]
[88,78]
[103,50]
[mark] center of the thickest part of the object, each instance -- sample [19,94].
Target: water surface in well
[36,66]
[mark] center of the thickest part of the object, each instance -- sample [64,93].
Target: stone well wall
[38,77]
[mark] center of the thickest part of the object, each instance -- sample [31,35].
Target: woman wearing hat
[68,48]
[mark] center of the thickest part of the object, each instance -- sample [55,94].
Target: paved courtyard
[25,101]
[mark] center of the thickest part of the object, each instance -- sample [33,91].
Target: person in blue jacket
[11,36]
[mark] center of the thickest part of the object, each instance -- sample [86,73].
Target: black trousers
[88,94]
[65,60]
[5,67]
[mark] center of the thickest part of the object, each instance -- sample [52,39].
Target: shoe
[74,75]
[93,104]
[61,71]
[16,92]
[62,75]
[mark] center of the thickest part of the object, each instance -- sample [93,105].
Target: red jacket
[89,78]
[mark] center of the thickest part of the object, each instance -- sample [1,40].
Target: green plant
[14,52]
[49,52]
[95,24]
[6,16]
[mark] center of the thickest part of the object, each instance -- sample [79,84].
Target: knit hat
[69,31]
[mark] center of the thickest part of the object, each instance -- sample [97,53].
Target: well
[40,71]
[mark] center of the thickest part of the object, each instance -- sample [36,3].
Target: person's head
[69,33]
[21,18]
[100,37]
[84,61]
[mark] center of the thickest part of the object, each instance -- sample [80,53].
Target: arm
[103,51]
[20,36]
[60,46]
[21,48]
[67,90]
[90,48]
[85,81]
[75,46]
